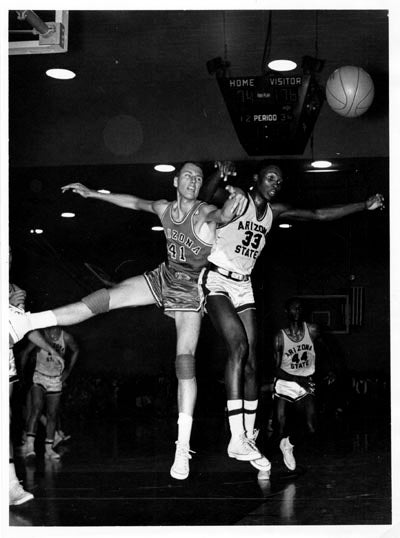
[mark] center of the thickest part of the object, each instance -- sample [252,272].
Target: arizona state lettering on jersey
[298,358]
[47,363]
[186,251]
[240,241]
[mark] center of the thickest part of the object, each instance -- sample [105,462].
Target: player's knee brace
[98,302]
[185,366]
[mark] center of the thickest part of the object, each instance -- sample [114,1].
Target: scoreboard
[273,114]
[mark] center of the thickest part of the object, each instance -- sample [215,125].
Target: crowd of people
[211,252]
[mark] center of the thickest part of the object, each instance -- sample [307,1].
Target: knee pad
[185,366]
[98,302]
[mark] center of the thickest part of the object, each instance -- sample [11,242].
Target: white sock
[250,418]
[235,417]
[13,476]
[44,319]
[184,428]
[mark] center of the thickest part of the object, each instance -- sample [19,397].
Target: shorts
[175,291]
[19,323]
[240,293]
[12,370]
[47,383]
[289,390]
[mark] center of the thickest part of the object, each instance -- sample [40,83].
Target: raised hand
[376,201]
[78,188]
[240,199]
[17,298]
[226,168]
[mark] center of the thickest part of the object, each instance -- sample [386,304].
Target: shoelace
[252,439]
[183,451]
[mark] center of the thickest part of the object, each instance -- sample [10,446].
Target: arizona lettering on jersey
[186,251]
[240,242]
[298,358]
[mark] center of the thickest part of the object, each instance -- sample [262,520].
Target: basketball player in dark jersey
[229,296]
[189,226]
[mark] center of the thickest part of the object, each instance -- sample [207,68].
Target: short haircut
[274,167]
[199,165]
[290,301]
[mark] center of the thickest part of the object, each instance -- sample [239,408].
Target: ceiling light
[104,191]
[157,228]
[37,231]
[68,215]
[63,74]
[285,225]
[282,65]
[321,164]
[164,168]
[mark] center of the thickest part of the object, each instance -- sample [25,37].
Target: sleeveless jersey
[49,365]
[239,242]
[298,358]
[186,251]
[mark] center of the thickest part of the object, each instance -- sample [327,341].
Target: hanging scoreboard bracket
[273,114]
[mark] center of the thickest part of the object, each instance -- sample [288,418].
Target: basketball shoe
[17,494]
[242,449]
[262,464]
[180,467]
[287,450]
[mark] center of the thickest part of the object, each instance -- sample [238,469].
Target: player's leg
[306,419]
[232,331]
[131,292]
[286,443]
[187,332]
[248,318]
[250,401]
[52,407]
[38,399]
[17,494]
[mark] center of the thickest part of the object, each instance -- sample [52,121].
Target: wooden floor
[117,474]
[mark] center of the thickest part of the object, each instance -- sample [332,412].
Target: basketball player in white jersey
[189,227]
[51,371]
[294,356]
[230,301]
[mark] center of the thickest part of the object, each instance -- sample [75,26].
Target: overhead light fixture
[62,74]
[282,65]
[157,228]
[164,167]
[321,164]
[285,225]
[104,191]
[37,231]
[68,215]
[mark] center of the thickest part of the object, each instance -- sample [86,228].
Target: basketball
[350,91]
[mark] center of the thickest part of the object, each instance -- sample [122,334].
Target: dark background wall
[308,259]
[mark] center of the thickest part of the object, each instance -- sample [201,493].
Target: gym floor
[116,473]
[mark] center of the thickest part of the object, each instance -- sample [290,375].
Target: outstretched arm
[328,213]
[122,200]
[234,206]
